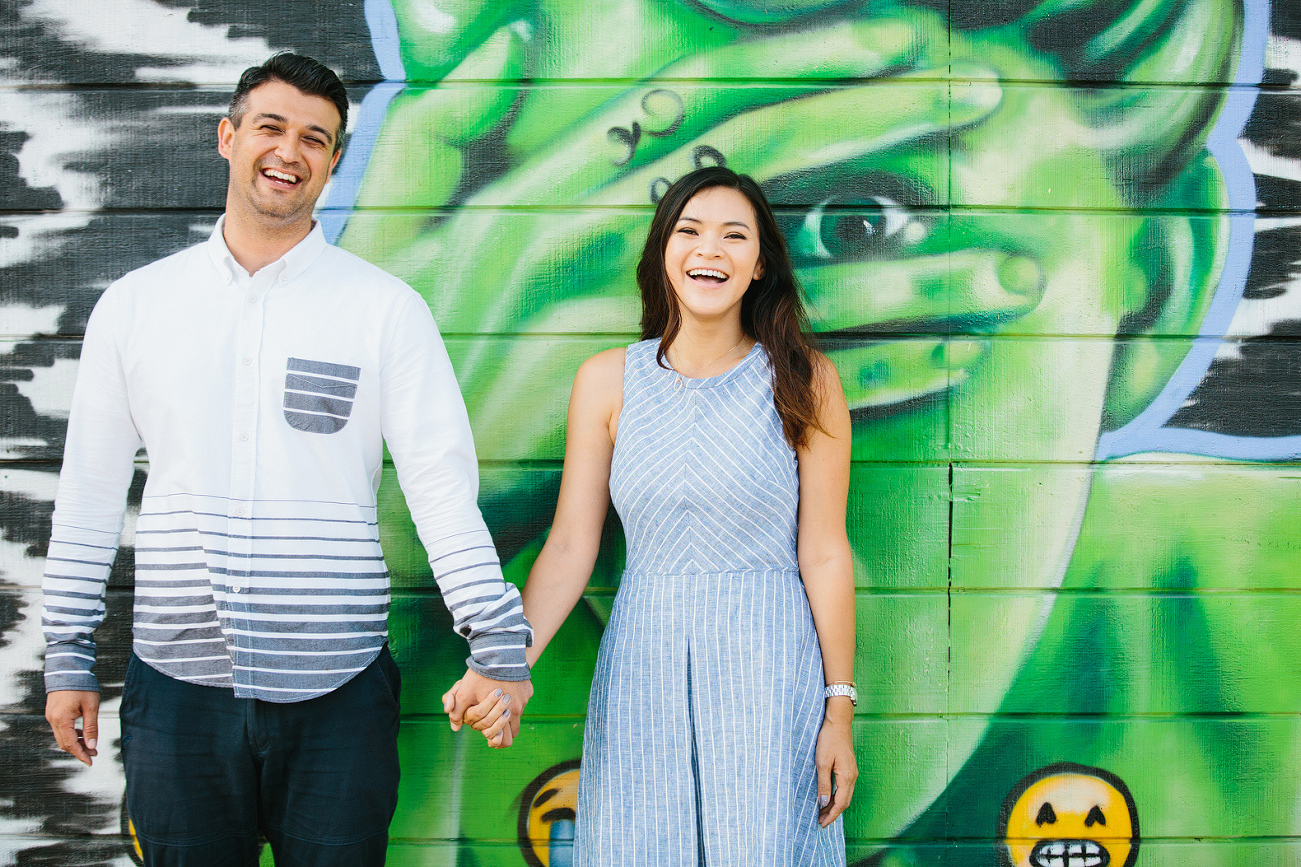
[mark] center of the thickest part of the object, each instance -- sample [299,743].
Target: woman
[721,708]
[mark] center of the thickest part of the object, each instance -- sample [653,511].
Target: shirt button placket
[243,481]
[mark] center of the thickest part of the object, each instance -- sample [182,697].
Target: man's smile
[281,176]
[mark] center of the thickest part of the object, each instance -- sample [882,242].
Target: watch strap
[848,690]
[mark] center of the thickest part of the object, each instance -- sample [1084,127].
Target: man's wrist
[508,666]
[72,680]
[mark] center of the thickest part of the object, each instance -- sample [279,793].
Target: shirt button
[239,510]
[248,360]
[243,436]
[234,590]
[252,299]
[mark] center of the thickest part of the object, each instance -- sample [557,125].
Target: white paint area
[26,649]
[523,28]
[57,135]
[29,483]
[1283,53]
[208,54]
[37,233]
[23,320]
[50,388]
[128,536]
[1258,316]
[1255,317]
[16,567]
[12,828]
[429,17]
[1263,162]
[104,781]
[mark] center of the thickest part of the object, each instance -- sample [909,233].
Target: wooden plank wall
[1051,246]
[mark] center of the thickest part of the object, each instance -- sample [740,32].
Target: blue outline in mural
[1147,432]
[385,39]
[342,195]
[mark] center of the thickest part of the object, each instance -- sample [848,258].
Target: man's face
[280,155]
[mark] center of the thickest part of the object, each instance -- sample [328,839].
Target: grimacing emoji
[1069,815]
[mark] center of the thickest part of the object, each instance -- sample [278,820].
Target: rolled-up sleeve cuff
[500,655]
[68,666]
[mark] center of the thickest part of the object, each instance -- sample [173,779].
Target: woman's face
[713,254]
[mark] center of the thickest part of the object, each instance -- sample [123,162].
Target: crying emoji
[1069,815]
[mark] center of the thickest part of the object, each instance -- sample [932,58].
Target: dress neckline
[712,381]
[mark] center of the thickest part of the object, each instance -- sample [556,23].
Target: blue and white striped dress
[707,699]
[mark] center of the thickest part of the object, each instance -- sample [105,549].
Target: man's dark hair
[308,75]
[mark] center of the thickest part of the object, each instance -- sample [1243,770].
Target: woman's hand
[492,707]
[492,719]
[835,760]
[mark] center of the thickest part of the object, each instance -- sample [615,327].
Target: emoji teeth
[706,272]
[1068,853]
[280,176]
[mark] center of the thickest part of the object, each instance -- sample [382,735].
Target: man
[263,371]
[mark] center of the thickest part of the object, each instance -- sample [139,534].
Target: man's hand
[491,706]
[62,709]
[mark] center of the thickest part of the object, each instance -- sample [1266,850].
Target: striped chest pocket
[319,395]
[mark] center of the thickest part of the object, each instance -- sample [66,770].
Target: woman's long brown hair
[772,312]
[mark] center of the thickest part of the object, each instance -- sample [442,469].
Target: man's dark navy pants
[206,772]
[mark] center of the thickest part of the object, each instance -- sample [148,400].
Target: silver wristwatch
[840,688]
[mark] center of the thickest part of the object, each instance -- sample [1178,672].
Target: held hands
[492,707]
[62,709]
[835,759]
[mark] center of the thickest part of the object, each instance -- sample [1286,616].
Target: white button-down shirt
[263,403]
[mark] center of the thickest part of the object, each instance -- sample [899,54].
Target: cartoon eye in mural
[876,217]
[546,819]
[825,233]
[1069,815]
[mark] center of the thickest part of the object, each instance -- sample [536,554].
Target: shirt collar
[289,266]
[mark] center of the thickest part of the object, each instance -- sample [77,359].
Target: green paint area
[1009,228]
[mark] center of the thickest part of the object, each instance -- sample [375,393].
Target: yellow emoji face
[546,822]
[1069,815]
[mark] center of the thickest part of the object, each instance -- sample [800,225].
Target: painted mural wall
[1053,247]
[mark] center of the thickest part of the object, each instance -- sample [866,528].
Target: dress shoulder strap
[639,360]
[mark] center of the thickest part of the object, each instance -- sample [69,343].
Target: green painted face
[977,342]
